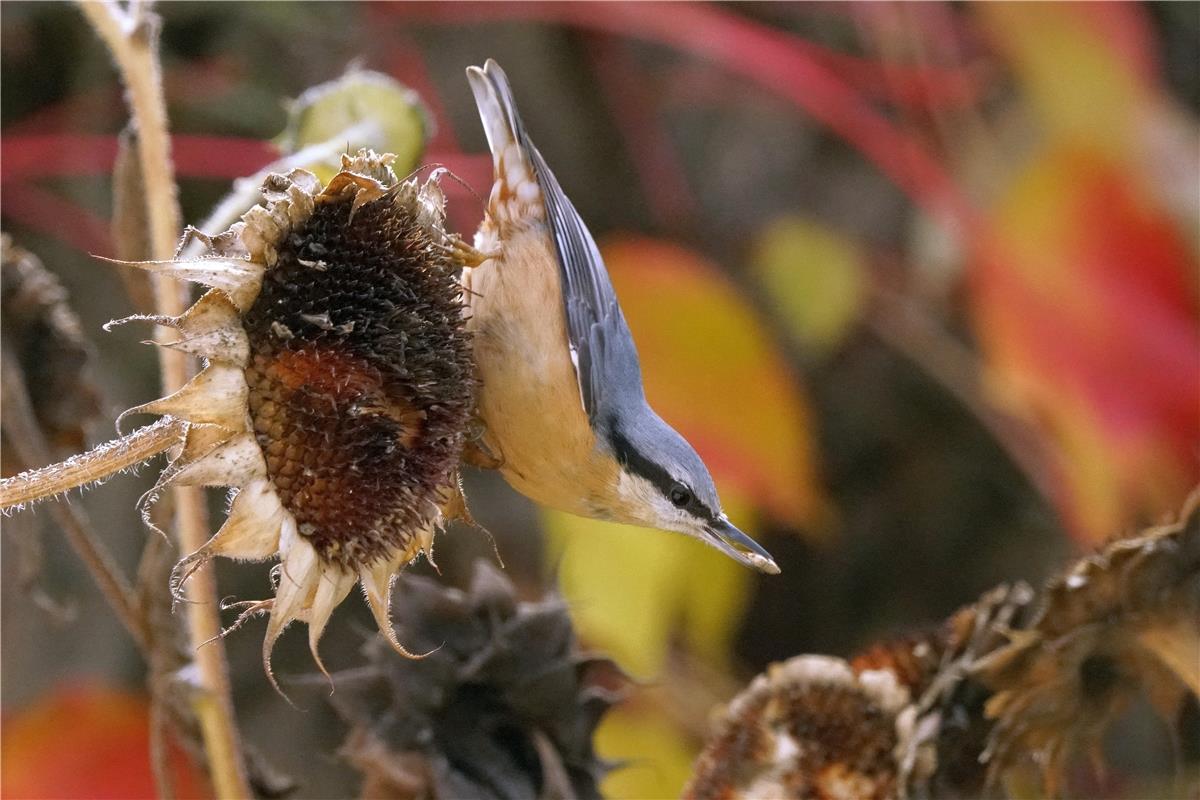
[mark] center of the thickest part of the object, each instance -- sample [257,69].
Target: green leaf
[369,109]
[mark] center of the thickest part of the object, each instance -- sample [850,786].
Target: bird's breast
[529,398]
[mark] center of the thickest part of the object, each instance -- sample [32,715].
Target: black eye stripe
[633,460]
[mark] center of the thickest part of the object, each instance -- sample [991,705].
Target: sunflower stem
[132,39]
[97,464]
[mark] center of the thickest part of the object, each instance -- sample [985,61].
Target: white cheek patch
[633,490]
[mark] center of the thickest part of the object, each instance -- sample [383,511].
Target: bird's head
[662,483]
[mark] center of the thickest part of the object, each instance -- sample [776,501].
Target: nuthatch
[561,389]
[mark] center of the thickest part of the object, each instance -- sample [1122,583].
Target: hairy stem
[132,38]
[98,464]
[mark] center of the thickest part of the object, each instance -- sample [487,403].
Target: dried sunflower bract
[336,390]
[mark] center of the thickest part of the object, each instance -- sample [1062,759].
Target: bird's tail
[514,173]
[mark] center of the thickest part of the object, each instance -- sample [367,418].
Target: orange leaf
[711,371]
[86,742]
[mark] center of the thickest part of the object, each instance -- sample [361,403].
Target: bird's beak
[740,547]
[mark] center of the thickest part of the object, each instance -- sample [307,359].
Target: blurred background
[919,281]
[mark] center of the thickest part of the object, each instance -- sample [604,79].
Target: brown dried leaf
[43,334]
[130,226]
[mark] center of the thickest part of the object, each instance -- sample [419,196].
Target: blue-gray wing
[602,348]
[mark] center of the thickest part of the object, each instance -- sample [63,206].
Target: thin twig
[104,569]
[160,756]
[164,658]
[900,324]
[20,422]
[132,39]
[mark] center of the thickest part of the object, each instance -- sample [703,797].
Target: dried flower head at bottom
[506,705]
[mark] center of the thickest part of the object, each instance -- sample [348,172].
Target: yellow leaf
[631,589]
[658,758]
[813,276]
[1074,63]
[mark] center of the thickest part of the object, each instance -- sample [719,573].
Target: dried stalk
[160,762]
[30,443]
[163,658]
[132,39]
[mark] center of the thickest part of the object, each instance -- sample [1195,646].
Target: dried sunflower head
[1123,620]
[945,727]
[946,712]
[336,389]
[808,728]
[505,707]
[901,719]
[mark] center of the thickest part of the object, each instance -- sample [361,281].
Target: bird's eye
[680,496]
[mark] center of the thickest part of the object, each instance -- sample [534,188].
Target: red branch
[777,61]
[62,154]
[57,217]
